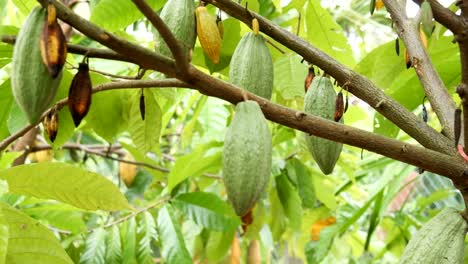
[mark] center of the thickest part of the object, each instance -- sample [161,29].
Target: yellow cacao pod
[208,34]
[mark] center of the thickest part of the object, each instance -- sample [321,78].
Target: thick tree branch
[434,88]
[445,17]
[357,84]
[175,46]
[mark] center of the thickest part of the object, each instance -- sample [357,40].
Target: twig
[174,45]
[108,74]
[99,88]
[445,16]
[275,46]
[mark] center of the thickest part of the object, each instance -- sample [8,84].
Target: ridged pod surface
[246,157]
[33,87]
[251,66]
[320,101]
[179,16]
[208,34]
[440,241]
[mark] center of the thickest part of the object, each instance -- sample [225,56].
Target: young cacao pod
[339,107]
[320,101]
[309,78]
[179,16]
[33,87]
[79,95]
[440,240]
[427,18]
[208,34]
[251,66]
[53,43]
[51,124]
[127,171]
[246,157]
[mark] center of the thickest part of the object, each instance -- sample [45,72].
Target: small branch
[174,45]
[275,46]
[434,88]
[108,74]
[445,16]
[100,153]
[99,88]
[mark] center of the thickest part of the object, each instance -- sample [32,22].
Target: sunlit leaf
[66,183]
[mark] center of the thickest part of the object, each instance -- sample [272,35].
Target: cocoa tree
[174,209]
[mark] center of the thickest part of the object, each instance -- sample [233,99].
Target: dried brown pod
[309,78]
[247,220]
[142,105]
[51,124]
[79,95]
[339,107]
[53,43]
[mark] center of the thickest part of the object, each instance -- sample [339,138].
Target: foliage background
[180,213]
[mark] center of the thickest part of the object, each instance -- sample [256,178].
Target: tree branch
[445,17]
[99,88]
[434,88]
[180,56]
[357,84]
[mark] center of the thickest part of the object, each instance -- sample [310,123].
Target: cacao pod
[440,240]
[427,18]
[79,95]
[235,251]
[128,171]
[246,157]
[309,78]
[53,43]
[251,66]
[254,255]
[33,87]
[179,16]
[51,125]
[208,34]
[142,106]
[320,101]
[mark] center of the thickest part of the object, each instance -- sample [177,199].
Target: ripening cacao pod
[179,16]
[440,241]
[309,78]
[79,95]
[235,257]
[208,34]
[320,101]
[51,124]
[33,87]
[246,157]
[254,255]
[251,66]
[127,171]
[53,43]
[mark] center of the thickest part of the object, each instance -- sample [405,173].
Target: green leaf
[325,192]
[385,127]
[316,251]
[62,216]
[173,248]
[113,246]
[290,200]
[189,128]
[146,233]
[289,74]
[4,236]
[145,133]
[324,33]
[95,247]
[108,13]
[25,6]
[17,119]
[305,184]
[106,114]
[6,101]
[207,210]
[194,164]
[374,218]
[6,159]
[129,241]
[218,245]
[29,241]
[65,183]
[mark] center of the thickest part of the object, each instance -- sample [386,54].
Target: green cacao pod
[246,157]
[439,241]
[320,101]
[179,16]
[251,66]
[33,87]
